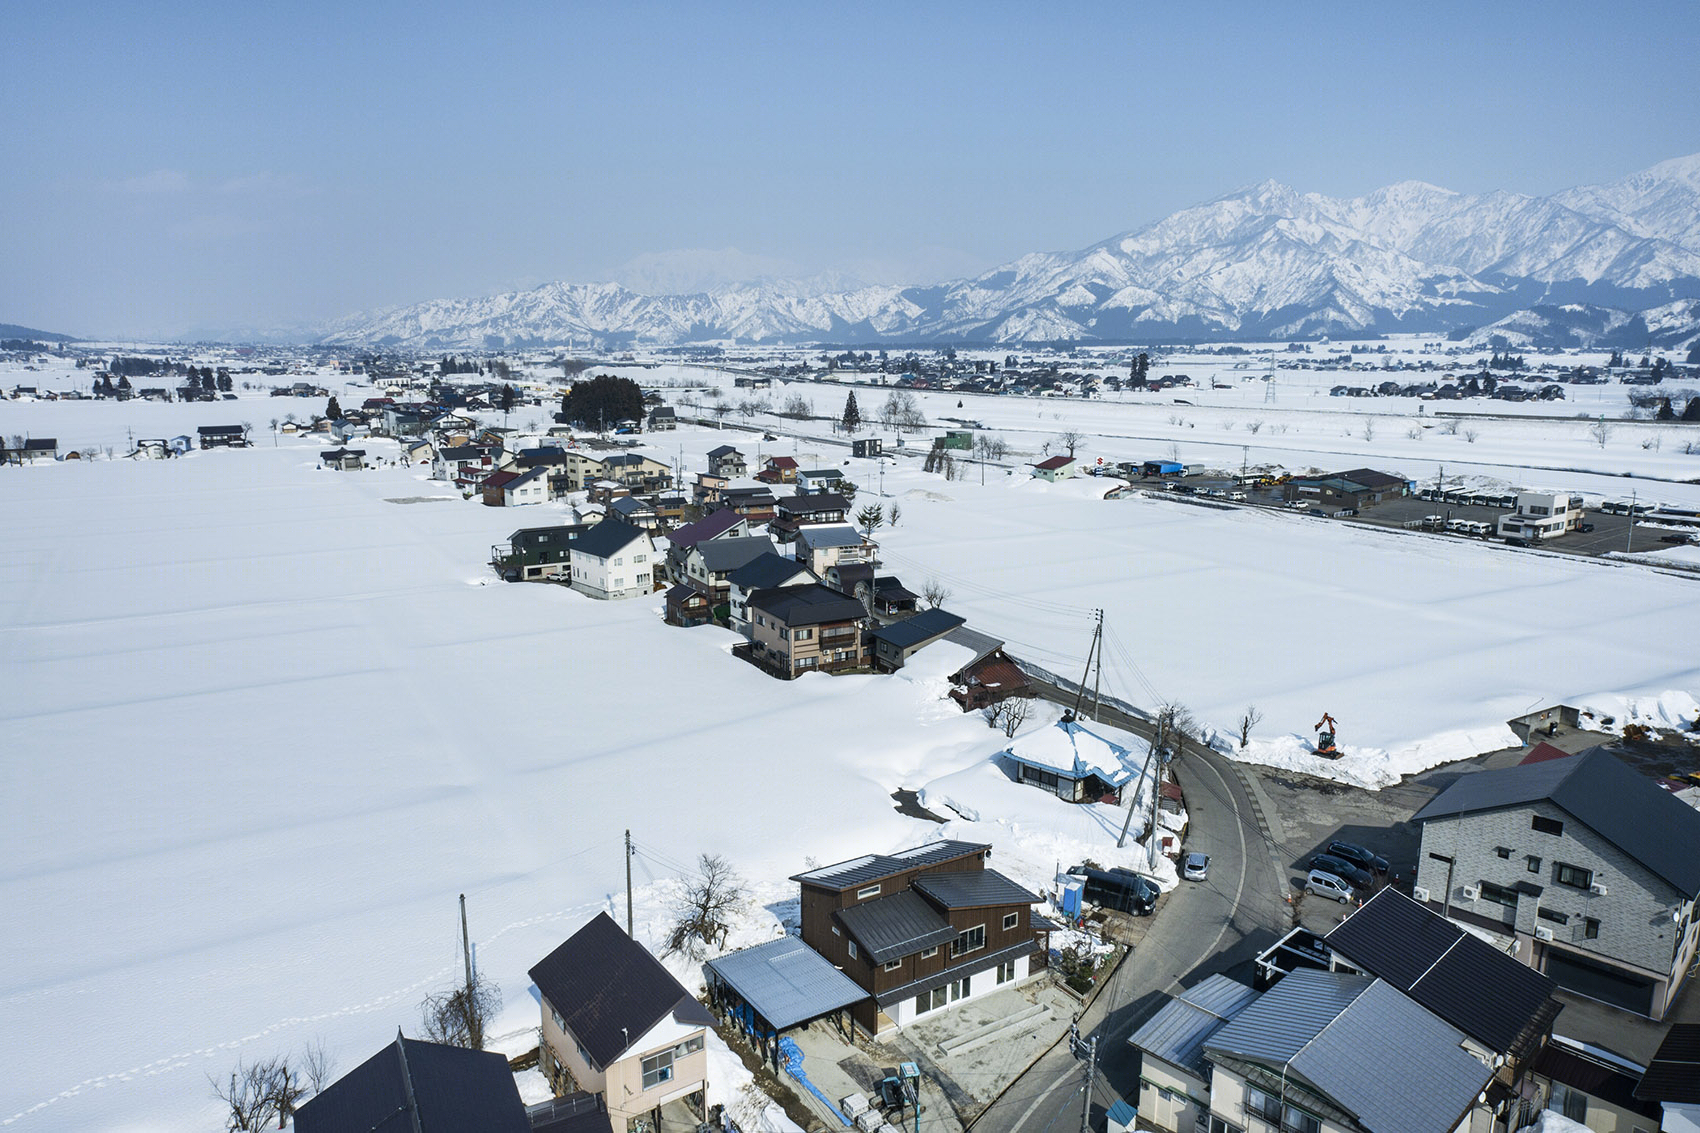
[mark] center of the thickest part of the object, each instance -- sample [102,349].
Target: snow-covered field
[266,722]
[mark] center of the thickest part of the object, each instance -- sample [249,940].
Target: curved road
[1202,928]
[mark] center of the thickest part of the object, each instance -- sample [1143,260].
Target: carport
[779,986]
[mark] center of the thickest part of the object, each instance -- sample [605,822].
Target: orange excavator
[1325,729]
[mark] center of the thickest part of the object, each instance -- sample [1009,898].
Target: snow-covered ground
[267,721]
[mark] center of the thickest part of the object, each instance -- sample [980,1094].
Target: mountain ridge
[1262,261]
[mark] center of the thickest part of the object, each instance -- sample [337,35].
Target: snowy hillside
[1674,325]
[1266,261]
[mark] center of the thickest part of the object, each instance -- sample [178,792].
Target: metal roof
[972,889]
[872,867]
[1176,1033]
[431,1086]
[1327,1028]
[731,553]
[578,1112]
[1674,1073]
[1467,982]
[607,538]
[924,626]
[897,925]
[829,535]
[610,990]
[768,570]
[1622,806]
[982,644]
[977,964]
[786,981]
[805,604]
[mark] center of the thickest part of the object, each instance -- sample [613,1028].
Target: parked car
[1676,537]
[1584,528]
[1119,889]
[1195,867]
[1340,867]
[1516,541]
[1325,883]
[1360,856]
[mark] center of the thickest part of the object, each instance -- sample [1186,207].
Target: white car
[1195,867]
[1327,884]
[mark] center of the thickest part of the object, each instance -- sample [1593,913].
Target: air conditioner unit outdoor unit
[1597,889]
[1418,893]
[1542,932]
[1471,892]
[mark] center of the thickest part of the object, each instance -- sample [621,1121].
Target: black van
[1119,889]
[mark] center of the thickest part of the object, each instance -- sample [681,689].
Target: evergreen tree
[602,401]
[124,382]
[333,411]
[852,414]
[1692,411]
[1665,413]
[505,400]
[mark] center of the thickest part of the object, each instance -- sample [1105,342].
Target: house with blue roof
[1073,762]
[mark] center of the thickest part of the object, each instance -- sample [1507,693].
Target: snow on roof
[1073,750]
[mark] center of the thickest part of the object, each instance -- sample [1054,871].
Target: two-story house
[613,560]
[1542,515]
[779,470]
[822,546]
[464,465]
[764,572]
[710,562]
[921,929]
[617,1024]
[805,628]
[726,462]
[1591,869]
[533,554]
[515,488]
[638,472]
[722,524]
[815,480]
[791,513]
[412,1085]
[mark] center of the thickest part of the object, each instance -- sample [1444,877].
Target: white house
[614,560]
[1056,468]
[830,544]
[1542,515]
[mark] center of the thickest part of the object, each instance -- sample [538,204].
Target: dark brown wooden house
[922,929]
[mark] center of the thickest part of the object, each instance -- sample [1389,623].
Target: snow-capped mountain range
[1263,262]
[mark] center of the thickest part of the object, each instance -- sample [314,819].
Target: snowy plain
[268,722]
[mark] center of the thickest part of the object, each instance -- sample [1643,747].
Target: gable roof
[1055,463]
[710,526]
[433,1088]
[498,479]
[872,867]
[983,644]
[1603,793]
[723,450]
[781,462]
[606,539]
[805,604]
[631,505]
[720,555]
[924,626]
[1674,1073]
[1327,1027]
[1177,1032]
[611,991]
[1073,749]
[829,535]
[811,503]
[1504,1004]
[767,570]
[896,925]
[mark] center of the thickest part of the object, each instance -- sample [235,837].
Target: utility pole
[1629,543]
[1151,761]
[1097,644]
[629,884]
[1091,1073]
[465,946]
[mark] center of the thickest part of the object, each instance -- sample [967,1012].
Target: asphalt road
[1203,928]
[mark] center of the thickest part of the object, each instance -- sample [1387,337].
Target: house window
[929,953]
[657,1068]
[1219,1125]
[560,1023]
[893,965]
[616,561]
[637,558]
[806,662]
[1534,863]
[1590,928]
[1297,1121]
[852,949]
[971,941]
[1499,894]
[802,634]
[1260,1104]
[959,988]
[1554,917]
[1504,852]
[1006,971]
[1572,1103]
[867,891]
[835,931]
[1574,876]
[1010,920]
[1441,858]
[1546,825]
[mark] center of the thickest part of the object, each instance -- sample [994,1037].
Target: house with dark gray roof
[726,461]
[921,929]
[414,1085]
[613,560]
[1334,1052]
[767,571]
[1583,867]
[896,642]
[804,628]
[1672,1078]
[711,561]
[1174,1077]
[617,1024]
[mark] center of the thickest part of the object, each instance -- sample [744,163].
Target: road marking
[1045,1093]
[1245,869]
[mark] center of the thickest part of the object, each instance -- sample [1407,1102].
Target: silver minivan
[1328,885]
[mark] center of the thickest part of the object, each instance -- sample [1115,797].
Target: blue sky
[183,167]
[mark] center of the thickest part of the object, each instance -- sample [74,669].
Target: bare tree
[798,406]
[1600,431]
[1070,440]
[1175,725]
[460,1017]
[318,1064]
[1369,429]
[935,592]
[248,1102]
[1453,424]
[990,448]
[1251,719]
[1252,427]
[703,912]
[1470,436]
[721,409]
[1008,715]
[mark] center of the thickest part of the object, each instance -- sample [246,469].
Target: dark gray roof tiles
[1618,803]
[924,626]
[895,926]
[607,538]
[973,889]
[720,555]
[413,1085]
[806,604]
[611,991]
[766,571]
[1674,1073]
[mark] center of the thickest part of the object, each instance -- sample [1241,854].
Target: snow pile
[1668,712]
[1371,767]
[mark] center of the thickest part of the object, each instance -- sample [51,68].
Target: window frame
[965,941]
[868,891]
[1541,824]
[662,1071]
[1010,921]
[1563,873]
